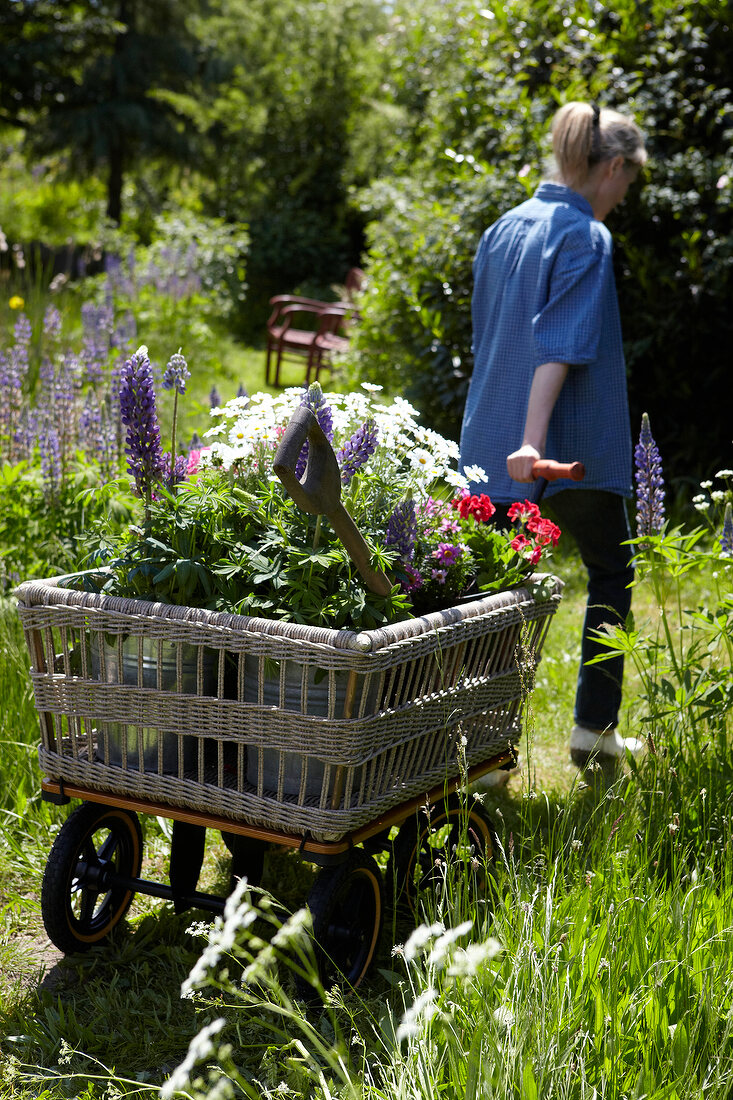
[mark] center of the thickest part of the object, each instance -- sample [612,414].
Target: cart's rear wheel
[428,845]
[79,904]
[346,903]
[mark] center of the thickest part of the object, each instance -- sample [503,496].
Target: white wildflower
[475,474]
[422,935]
[238,913]
[200,1048]
[504,1017]
[422,1009]
[467,961]
[295,927]
[440,949]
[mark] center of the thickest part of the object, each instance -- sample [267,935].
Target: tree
[477,89]
[294,82]
[92,78]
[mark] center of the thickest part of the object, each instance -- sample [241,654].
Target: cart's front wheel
[346,903]
[80,902]
[450,835]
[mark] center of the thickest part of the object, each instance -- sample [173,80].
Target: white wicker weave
[303,730]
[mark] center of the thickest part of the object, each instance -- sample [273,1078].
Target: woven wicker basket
[300,729]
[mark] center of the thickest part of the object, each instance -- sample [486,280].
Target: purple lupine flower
[124,331]
[23,331]
[214,398]
[52,323]
[97,325]
[50,450]
[355,452]
[401,531]
[649,483]
[314,400]
[176,373]
[180,470]
[726,538]
[138,412]
[13,369]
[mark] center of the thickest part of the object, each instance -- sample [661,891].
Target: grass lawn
[612,917]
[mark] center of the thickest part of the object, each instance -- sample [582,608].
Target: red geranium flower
[480,508]
[524,512]
[544,530]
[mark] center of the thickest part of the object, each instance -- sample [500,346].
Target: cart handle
[554,471]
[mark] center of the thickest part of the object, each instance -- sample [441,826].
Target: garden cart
[271,732]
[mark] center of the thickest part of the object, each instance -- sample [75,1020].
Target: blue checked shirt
[544,291]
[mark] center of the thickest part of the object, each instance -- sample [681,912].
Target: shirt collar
[558,192]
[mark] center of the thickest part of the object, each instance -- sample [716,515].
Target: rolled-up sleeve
[567,327]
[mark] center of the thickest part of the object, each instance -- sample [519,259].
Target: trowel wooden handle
[553,471]
[351,537]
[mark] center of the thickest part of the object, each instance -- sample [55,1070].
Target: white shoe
[606,747]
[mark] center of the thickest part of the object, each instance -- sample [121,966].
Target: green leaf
[529,1084]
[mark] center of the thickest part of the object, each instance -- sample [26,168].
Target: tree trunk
[114,181]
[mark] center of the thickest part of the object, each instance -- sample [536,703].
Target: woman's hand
[519,463]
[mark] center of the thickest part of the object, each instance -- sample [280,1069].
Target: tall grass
[595,965]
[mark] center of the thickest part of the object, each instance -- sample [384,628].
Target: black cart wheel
[346,903]
[79,903]
[428,845]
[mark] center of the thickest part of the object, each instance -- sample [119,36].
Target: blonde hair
[583,135]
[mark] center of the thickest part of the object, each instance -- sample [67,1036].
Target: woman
[550,378]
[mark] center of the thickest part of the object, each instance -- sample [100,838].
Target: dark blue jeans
[598,523]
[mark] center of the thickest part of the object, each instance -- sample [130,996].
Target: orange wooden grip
[553,471]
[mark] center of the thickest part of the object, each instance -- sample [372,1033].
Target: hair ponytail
[584,134]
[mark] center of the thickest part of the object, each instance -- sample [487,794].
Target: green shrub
[478,90]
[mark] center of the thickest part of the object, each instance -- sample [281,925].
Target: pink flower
[449,527]
[439,575]
[414,578]
[447,553]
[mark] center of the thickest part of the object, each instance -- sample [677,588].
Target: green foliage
[39,537]
[86,77]
[476,92]
[283,125]
[44,206]
[415,336]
